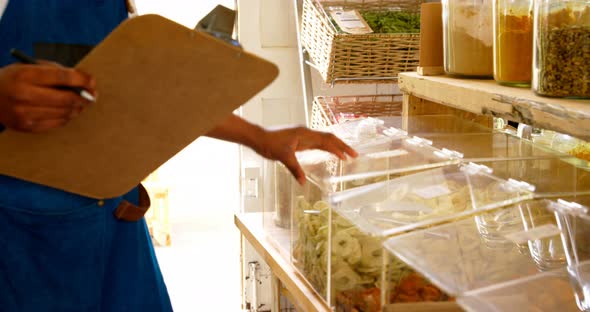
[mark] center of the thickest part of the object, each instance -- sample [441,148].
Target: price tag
[432,191]
[351,22]
[540,232]
[388,154]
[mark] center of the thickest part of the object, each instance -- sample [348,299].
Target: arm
[281,144]
[237,130]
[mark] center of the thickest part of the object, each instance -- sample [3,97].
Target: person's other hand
[281,145]
[31,101]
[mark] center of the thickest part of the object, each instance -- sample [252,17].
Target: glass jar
[562,48]
[468,37]
[513,42]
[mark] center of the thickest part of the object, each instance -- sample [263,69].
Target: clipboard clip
[219,23]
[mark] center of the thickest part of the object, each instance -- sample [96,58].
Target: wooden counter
[301,293]
[485,97]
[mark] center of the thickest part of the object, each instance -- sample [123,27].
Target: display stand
[475,100]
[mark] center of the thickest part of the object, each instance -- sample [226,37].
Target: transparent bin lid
[552,177]
[490,146]
[418,125]
[384,159]
[365,132]
[545,292]
[489,248]
[426,198]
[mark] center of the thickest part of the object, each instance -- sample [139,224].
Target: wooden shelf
[486,97]
[250,226]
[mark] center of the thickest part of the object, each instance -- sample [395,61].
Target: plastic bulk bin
[546,292]
[311,212]
[491,248]
[474,146]
[567,289]
[418,125]
[426,198]
[279,197]
[377,161]
[552,177]
[360,277]
[564,144]
[491,146]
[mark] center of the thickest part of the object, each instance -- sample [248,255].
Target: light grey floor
[202,269]
[202,266]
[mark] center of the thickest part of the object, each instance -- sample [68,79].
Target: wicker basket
[327,110]
[342,57]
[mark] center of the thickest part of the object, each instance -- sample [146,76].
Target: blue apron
[61,251]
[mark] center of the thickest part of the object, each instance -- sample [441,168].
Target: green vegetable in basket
[392,21]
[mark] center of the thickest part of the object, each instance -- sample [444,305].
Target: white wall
[185,12]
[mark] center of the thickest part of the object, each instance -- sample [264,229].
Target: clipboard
[160,86]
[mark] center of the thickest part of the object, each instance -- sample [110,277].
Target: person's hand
[281,145]
[31,101]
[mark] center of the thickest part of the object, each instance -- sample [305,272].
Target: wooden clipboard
[160,86]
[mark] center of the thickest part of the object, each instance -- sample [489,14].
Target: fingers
[37,119]
[41,112]
[48,75]
[331,143]
[346,148]
[41,109]
[40,96]
[41,125]
[311,139]
[290,161]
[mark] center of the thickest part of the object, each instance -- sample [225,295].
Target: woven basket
[326,110]
[342,57]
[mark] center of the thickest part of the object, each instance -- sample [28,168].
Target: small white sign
[351,22]
[432,191]
[540,232]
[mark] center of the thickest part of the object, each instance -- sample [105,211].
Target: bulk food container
[476,259]
[468,37]
[357,278]
[368,137]
[368,140]
[419,125]
[349,110]
[552,177]
[492,146]
[310,207]
[565,144]
[543,292]
[562,48]
[513,42]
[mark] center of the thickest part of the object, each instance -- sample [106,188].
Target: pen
[24,58]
